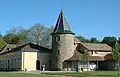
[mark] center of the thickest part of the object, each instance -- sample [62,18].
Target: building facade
[66,53]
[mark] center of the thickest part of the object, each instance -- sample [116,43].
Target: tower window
[58,52]
[57,38]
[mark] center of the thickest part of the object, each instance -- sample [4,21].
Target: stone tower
[62,43]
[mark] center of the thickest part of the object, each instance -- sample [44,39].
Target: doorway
[37,65]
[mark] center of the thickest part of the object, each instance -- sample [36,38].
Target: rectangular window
[58,52]
[57,38]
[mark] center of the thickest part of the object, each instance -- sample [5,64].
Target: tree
[82,39]
[94,40]
[36,33]
[16,36]
[7,38]
[1,36]
[48,38]
[2,43]
[119,40]
[40,35]
[116,55]
[109,40]
[23,36]
[11,38]
[85,57]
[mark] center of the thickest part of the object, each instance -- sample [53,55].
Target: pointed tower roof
[62,26]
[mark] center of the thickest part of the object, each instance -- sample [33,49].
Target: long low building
[24,57]
[32,57]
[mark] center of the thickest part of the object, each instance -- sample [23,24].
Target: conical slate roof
[62,25]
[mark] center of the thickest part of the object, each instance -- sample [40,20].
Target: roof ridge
[95,43]
[92,46]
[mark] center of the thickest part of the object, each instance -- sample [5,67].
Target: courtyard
[60,74]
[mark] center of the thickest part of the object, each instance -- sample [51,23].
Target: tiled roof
[100,47]
[62,25]
[76,40]
[27,47]
[9,47]
[79,56]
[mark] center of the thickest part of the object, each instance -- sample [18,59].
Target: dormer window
[96,52]
[93,52]
[58,52]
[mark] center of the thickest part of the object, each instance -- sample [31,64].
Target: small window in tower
[57,38]
[58,52]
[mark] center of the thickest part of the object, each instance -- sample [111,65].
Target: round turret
[62,43]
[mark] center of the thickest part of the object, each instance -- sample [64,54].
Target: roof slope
[62,25]
[79,56]
[9,47]
[27,47]
[100,47]
[76,40]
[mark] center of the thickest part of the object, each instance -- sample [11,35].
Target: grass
[8,74]
[62,74]
[87,74]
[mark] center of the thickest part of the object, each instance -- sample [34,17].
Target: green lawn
[62,74]
[8,74]
[87,74]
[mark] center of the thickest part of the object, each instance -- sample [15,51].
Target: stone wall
[62,49]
